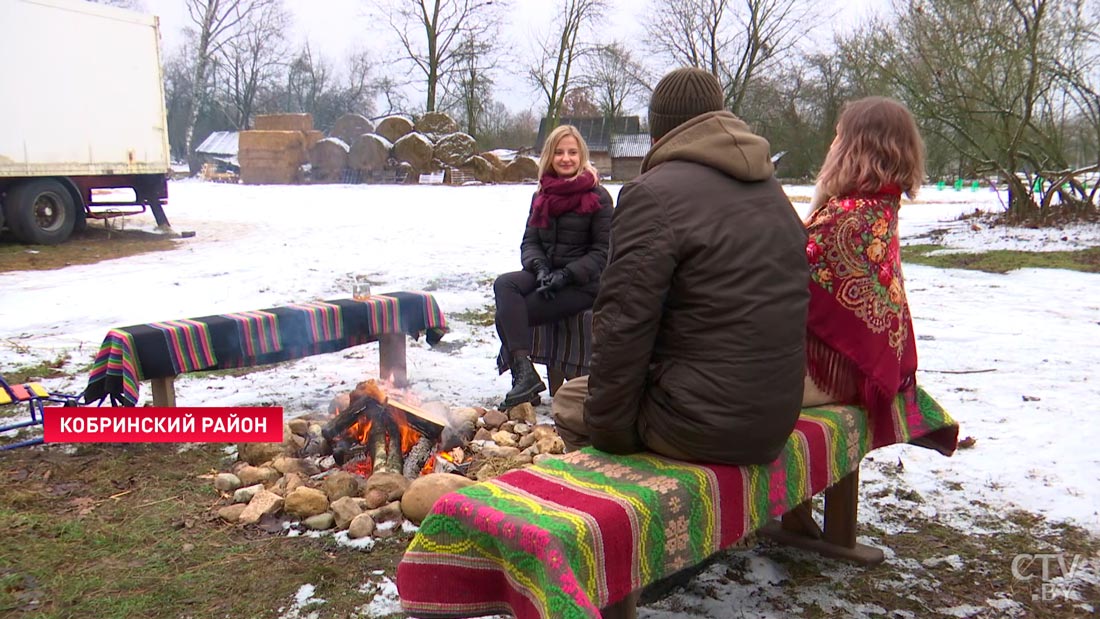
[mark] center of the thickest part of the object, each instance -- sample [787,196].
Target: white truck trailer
[83,127]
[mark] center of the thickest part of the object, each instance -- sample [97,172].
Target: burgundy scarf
[859,327]
[558,196]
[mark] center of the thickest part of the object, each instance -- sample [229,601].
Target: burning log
[418,456]
[393,436]
[339,425]
[385,455]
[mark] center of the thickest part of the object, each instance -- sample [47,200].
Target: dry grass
[123,531]
[98,242]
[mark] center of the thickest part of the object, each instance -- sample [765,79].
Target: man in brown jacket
[699,326]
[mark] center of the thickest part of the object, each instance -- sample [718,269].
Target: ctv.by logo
[1055,572]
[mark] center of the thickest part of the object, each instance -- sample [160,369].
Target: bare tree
[252,61]
[982,76]
[735,40]
[470,87]
[432,34]
[315,87]
[216,23]
[504,129]
[560,50]
[615,79]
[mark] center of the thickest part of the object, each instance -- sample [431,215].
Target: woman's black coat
[576,243]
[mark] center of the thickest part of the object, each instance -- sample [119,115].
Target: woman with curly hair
[860,346]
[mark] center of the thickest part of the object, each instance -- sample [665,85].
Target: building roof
[630,145]
[595,131]
[220,143]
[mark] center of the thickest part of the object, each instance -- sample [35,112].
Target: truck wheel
[41,212]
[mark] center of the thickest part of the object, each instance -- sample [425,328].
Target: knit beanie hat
[680,96]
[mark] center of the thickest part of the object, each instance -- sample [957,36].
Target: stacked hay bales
[356,150]
[349,127]
[520,169]
[327,159]
[273,153]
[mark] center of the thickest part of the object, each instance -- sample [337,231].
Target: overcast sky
[337,27]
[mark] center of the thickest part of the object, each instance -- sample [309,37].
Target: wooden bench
[583,534]
[159,352]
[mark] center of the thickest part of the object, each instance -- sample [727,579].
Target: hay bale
[454,148]
[370,152]
[414,149]
[328,158]
[493,159]
[271,141]
[270,174]
[350,126]
[521,169]
[283,122]
[481,169]
[312,137]
[394,127]
[436,123]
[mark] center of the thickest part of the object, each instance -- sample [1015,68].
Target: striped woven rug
[574,534]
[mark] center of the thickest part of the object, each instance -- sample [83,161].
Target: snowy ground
[1010,356]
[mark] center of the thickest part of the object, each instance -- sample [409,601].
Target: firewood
[376,444]
[340,424]
[417,457]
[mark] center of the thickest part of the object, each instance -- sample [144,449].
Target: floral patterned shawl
[860,334]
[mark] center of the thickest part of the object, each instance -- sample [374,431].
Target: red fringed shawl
[860,333]
[558,196]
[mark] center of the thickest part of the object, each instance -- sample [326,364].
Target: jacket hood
[717,140]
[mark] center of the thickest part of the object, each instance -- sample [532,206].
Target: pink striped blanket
[574,534]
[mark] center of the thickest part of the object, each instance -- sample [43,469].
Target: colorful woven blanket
[157,350]
[565,345]
[572,535]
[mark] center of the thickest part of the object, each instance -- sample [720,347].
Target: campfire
[363,466]
[377,433]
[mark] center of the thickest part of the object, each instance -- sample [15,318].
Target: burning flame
[360,431]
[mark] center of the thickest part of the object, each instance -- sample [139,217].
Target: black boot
[526,383]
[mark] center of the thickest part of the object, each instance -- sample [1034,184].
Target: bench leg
[164,391]
[556,379]
[838,540]
[391,359]
[626,608]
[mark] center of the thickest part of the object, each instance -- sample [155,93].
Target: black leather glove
[542,271]
[555,282]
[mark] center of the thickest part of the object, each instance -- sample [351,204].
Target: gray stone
[232,513]
[390,512]
[298,426]
[244,495]
[494,419]
[263,504]
[265,475]
[320,522]
[345,510]
[227,482]
[259,453]
[504,438]
[392,484]
[342,484]
[523,412]
[361,526]
[424,491]
[304,502]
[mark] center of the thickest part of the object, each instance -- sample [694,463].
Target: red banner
[66,424]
